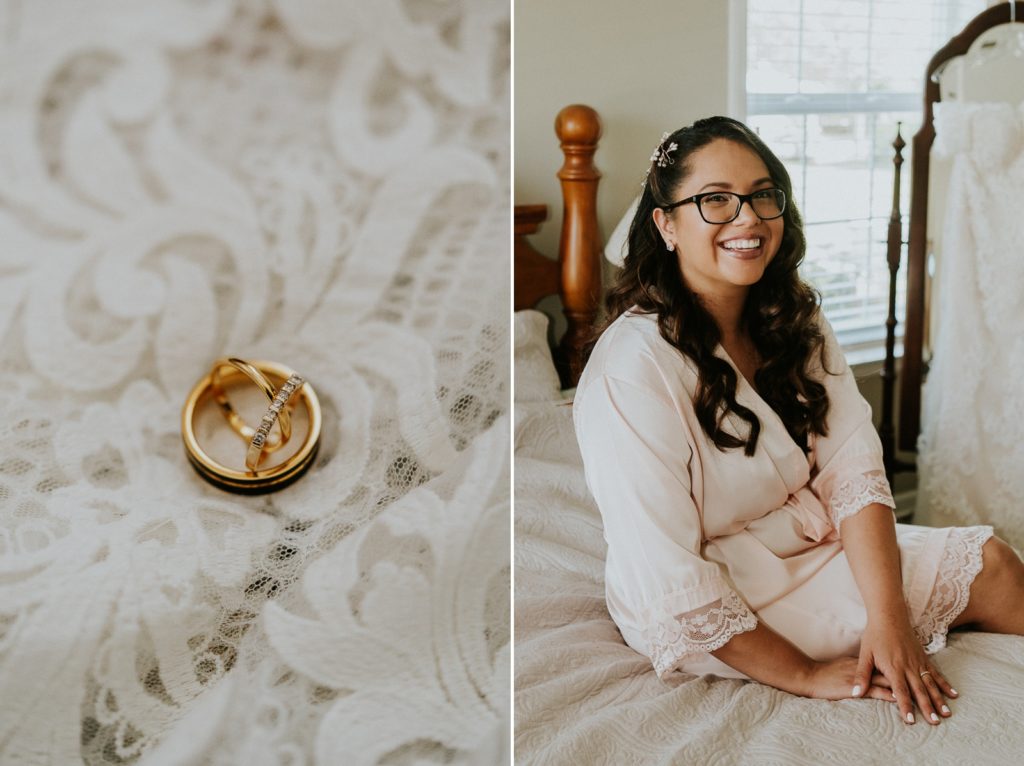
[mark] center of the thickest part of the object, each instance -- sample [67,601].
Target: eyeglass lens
[723,207]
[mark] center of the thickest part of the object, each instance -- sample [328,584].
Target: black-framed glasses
[724,207]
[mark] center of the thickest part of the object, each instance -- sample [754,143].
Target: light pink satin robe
[703,543]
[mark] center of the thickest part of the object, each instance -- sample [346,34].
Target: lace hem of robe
[701,630]
[960,564]
[857,493]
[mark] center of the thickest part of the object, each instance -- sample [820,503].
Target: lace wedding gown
[972,434]
[319,183]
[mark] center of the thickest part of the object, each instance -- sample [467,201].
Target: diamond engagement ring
[277,412]
[238,425]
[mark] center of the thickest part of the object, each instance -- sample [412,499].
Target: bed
[582,696]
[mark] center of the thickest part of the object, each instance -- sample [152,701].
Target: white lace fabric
[858,492]
[961,562]
[971,446]
[673,638]
[322,184]
[854,477]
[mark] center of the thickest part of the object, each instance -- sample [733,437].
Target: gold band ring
[243,480]
[926,673]
[238,425]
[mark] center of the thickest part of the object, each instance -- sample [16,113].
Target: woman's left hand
[890,645]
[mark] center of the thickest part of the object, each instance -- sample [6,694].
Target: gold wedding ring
[285,389]
[926,673]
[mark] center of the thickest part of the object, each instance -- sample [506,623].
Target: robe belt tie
[807,508]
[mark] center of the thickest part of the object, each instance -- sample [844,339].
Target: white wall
[647,67]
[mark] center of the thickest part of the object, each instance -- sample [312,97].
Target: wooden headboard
[914,364]
[575,275]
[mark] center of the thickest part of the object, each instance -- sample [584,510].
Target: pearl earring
[669,245]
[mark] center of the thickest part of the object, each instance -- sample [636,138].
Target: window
[826,83]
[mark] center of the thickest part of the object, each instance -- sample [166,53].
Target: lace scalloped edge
[857,493]
[673,640]
[961,562]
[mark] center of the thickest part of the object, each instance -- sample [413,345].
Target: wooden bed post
[894,245]
[578,129]
[886,431]
[912,372]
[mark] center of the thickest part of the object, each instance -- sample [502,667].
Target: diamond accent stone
[262,434]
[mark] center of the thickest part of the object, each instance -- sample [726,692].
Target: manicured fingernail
[945,709]
[910,717]
[954,692]
[935,718]
[856,690]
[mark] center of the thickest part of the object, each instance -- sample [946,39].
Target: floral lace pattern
[671,640]
[972,418]
[857,493]
[960,564]
[318,182]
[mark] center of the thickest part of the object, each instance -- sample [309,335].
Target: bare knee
[1001,577]
[999,557]
[1002,570]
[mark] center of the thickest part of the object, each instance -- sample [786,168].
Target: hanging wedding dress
[971,449]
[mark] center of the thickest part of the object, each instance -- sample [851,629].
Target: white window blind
[826,83]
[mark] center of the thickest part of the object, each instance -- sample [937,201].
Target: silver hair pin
[663,154]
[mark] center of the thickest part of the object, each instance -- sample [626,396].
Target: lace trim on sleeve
[702,630]
[859,492]
[960,563]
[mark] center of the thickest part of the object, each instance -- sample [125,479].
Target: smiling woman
[743,238]
[709,523]
[734,462]
[717,263]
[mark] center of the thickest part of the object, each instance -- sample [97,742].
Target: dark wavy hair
[779,313]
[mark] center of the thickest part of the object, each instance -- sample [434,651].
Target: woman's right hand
[834,679]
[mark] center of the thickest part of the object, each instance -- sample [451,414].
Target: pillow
[615,250]
[536,379]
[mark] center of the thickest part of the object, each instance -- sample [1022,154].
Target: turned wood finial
[886,430]
[578,128]
[578,125]
[895,240]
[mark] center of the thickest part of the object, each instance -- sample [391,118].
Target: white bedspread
[583,697]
